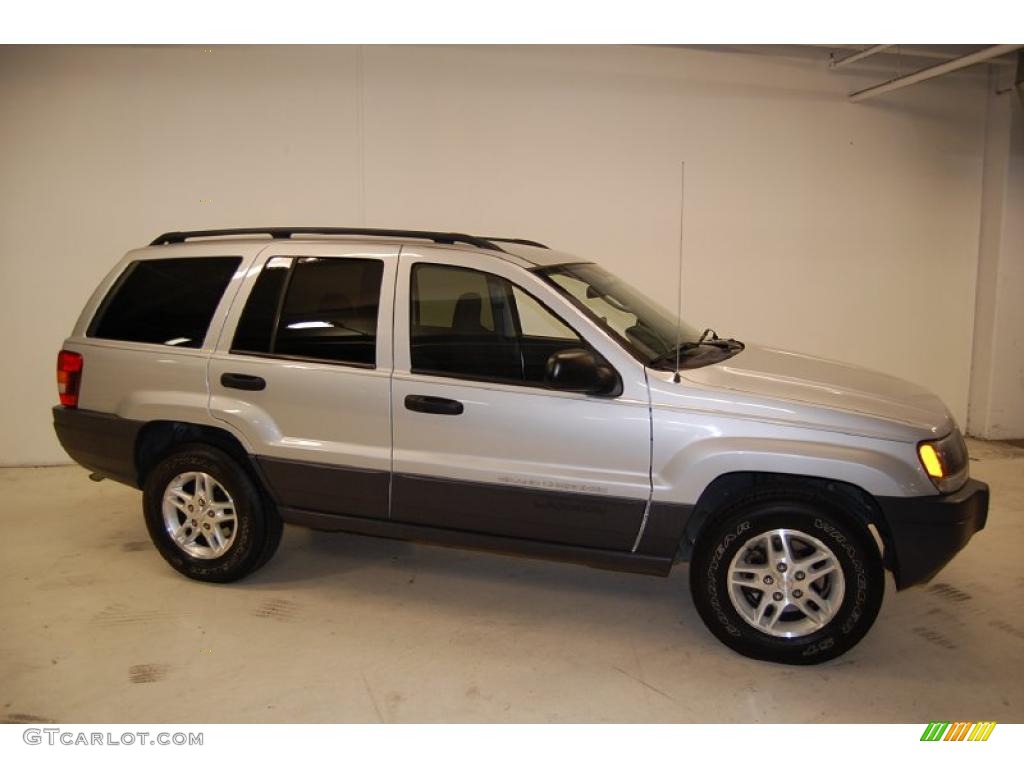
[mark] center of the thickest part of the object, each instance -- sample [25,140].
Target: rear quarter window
[164,301]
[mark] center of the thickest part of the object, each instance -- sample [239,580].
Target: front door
[479,443]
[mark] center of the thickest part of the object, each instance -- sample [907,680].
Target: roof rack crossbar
[520,240]
[283,233]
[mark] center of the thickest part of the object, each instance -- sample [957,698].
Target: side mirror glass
[580,370]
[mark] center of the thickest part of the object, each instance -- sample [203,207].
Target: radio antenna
[679,276]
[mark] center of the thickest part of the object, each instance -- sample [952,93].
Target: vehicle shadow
[480,584]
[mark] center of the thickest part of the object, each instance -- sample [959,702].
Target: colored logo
[958,731]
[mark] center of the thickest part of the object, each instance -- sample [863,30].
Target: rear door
[479,444]
[302,371]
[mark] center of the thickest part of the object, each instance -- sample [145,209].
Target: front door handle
[428,404]
[243,381]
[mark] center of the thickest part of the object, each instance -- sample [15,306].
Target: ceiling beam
[855,57]
[931,72]
[905,51]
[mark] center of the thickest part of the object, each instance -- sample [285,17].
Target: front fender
[886,469]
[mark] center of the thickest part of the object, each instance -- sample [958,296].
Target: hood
[867,396]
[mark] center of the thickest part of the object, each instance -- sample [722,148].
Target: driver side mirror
[580,370]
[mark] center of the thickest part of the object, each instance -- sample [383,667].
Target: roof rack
[519,240]
[283,233]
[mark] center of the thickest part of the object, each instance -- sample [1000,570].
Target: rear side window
[313,308]
[164,301]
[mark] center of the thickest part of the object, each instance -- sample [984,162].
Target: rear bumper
[100,442]
[925,532]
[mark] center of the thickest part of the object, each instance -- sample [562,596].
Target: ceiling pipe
[934,71]
[906,51]
[855,57]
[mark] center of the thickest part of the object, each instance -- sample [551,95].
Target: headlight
[945,461]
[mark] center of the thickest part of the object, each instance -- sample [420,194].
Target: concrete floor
[339,628]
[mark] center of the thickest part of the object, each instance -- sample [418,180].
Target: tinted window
[256,325]
[329,310]
[165,301]
[646,329]
[475,325]
[444,296]
[536,320]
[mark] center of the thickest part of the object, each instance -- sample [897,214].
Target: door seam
[248,265]
[391,382]
[650,465]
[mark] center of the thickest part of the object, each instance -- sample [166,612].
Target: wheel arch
[859,506]
[158,439]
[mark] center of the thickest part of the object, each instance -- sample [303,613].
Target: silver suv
[492,393]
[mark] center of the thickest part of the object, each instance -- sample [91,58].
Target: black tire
[257,527]
[805,512]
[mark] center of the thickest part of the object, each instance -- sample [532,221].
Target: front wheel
[786,577]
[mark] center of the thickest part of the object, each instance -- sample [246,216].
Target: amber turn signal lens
[930,460]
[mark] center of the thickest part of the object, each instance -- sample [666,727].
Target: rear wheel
[787,576]
[207,517]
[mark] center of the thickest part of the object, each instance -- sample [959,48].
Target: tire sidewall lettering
[713,568]
[860,579]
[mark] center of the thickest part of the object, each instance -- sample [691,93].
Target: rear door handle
[243,381]
[428,404]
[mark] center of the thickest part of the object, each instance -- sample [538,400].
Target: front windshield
[645,328]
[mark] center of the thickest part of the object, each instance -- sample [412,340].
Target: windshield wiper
[728,345]
[715,341]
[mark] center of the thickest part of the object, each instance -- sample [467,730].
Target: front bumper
[925,532]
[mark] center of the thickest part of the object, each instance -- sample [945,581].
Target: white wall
[996,408]
[811,223]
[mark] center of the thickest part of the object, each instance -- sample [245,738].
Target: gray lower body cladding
[325,488]
[597,558]
[927,531]
[597,530]
[100,442]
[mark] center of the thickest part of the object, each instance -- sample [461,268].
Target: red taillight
[69,377]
